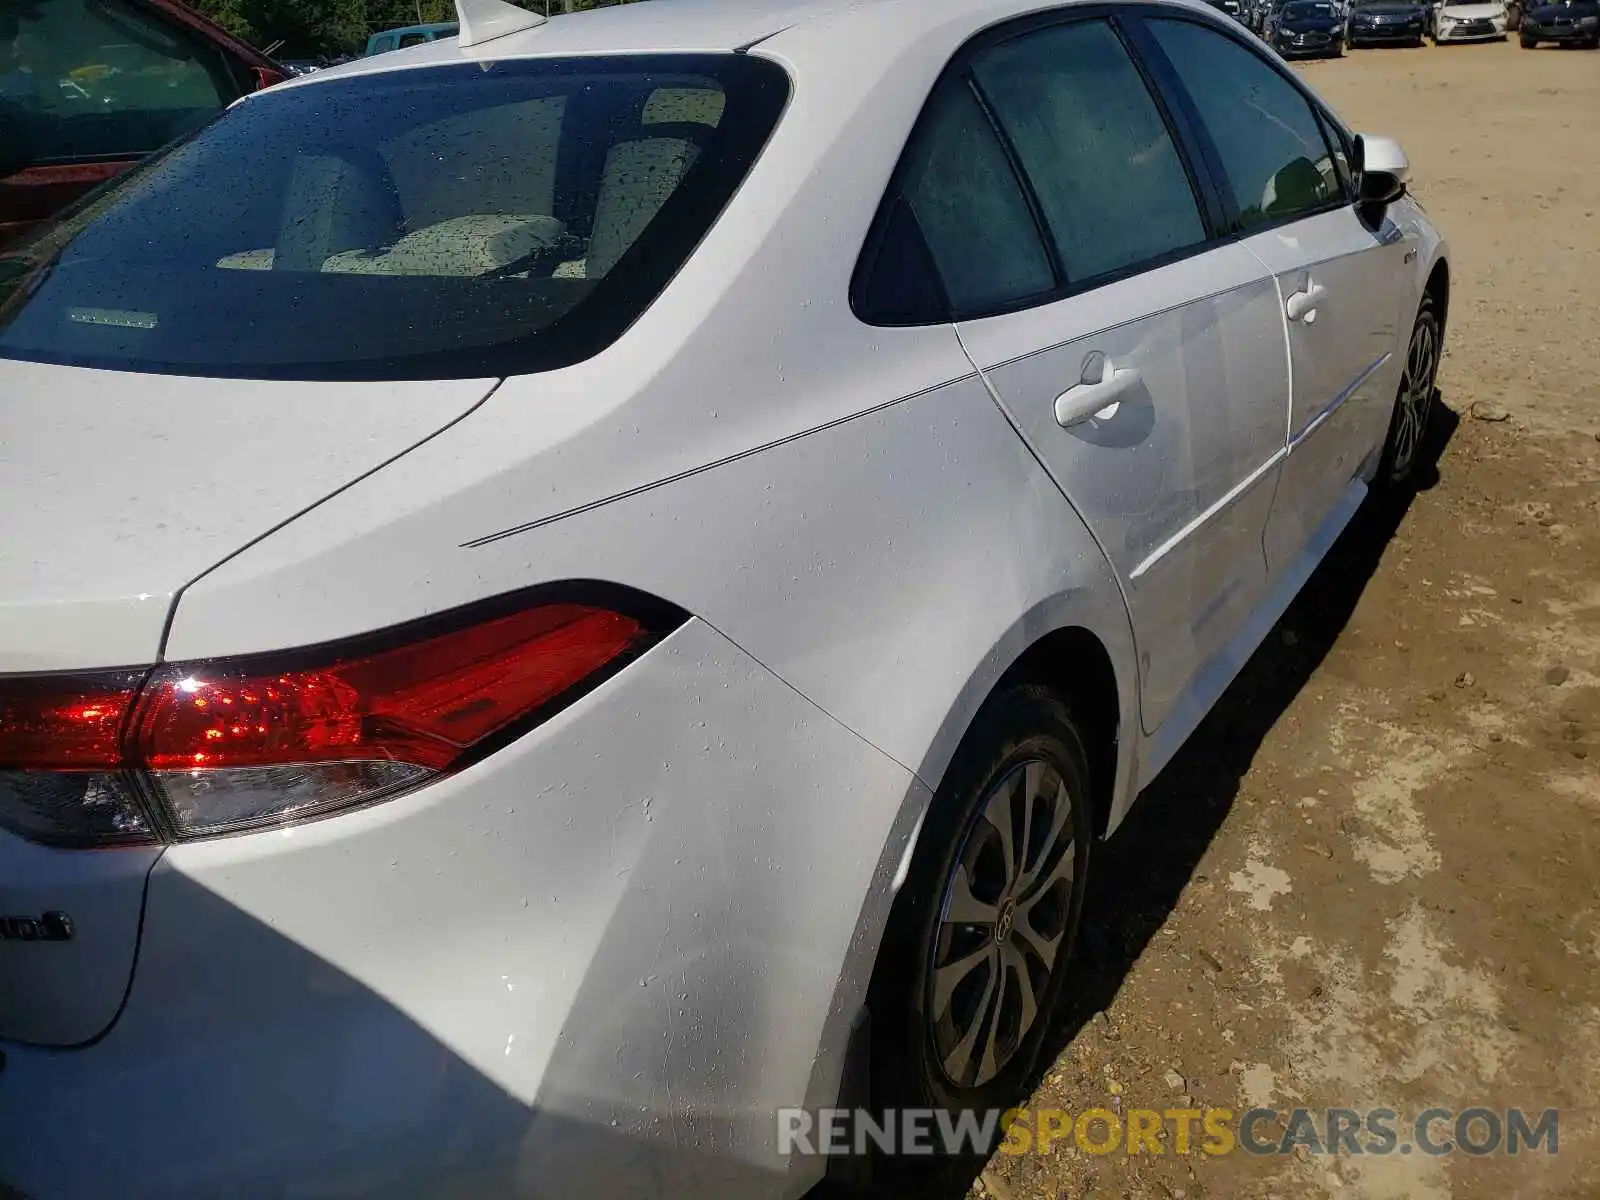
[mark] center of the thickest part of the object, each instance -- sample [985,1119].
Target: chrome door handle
[1302,306]
[1099,393]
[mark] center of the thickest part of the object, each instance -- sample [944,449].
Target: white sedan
[1469,21]
[565,590]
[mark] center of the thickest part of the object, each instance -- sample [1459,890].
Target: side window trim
[1333,131]
[1199,152]
[1181,124]
[1170,78]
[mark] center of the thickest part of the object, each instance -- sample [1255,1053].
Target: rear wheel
[1413,405]
[977,950]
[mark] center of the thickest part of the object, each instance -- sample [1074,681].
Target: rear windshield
[451,222]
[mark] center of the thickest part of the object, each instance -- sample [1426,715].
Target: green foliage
[309,28]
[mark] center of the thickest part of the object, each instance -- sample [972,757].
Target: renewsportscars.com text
[1477,1131]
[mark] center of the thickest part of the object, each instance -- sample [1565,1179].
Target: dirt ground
[1373,878]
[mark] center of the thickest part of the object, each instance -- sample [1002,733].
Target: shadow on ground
[1136,878]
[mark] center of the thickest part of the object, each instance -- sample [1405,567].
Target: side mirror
[1382,170]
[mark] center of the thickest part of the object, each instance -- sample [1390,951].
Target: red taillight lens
[246,742]
[239,743]
[61,758]
[66,722]
[424,703]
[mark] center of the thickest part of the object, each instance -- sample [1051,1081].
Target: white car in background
[548,577]
[1469,21]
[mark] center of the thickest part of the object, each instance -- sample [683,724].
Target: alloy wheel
[1416,395]
[1002,923]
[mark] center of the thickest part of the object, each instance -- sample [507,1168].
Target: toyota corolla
[569,588]
[1469,21]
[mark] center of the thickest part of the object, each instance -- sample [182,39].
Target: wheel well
[1439,288]
[1074,664]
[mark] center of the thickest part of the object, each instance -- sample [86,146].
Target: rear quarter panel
[890,565]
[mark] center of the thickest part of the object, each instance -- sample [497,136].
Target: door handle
[1302,306]
[1098,394]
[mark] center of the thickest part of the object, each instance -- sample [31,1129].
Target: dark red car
[89,87]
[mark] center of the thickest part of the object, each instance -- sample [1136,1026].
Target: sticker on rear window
[111,316]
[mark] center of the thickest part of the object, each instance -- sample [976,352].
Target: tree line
[334,28]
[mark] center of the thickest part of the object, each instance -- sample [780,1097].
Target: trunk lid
[118,490]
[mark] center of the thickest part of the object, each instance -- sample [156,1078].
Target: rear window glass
[436,223]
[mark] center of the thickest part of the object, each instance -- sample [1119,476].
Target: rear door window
[447,222]
[1095,147]
[973,213]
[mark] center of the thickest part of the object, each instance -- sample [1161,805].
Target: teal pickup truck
[410,35]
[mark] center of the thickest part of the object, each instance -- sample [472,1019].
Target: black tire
[1023,730]
[1414,401]
[1528,43]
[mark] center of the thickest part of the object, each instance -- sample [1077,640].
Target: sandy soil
[1373,878]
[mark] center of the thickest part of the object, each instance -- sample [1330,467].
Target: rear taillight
[199,749]
[61,759]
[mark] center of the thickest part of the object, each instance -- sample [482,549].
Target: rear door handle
[1302,306]
[1098,393]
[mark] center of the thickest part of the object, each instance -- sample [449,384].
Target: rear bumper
[593,964]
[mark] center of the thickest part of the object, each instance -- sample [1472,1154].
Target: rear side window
[102,80]
[447,222]
[1094,146]
[1271,149]
[412,39]
[972,211]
